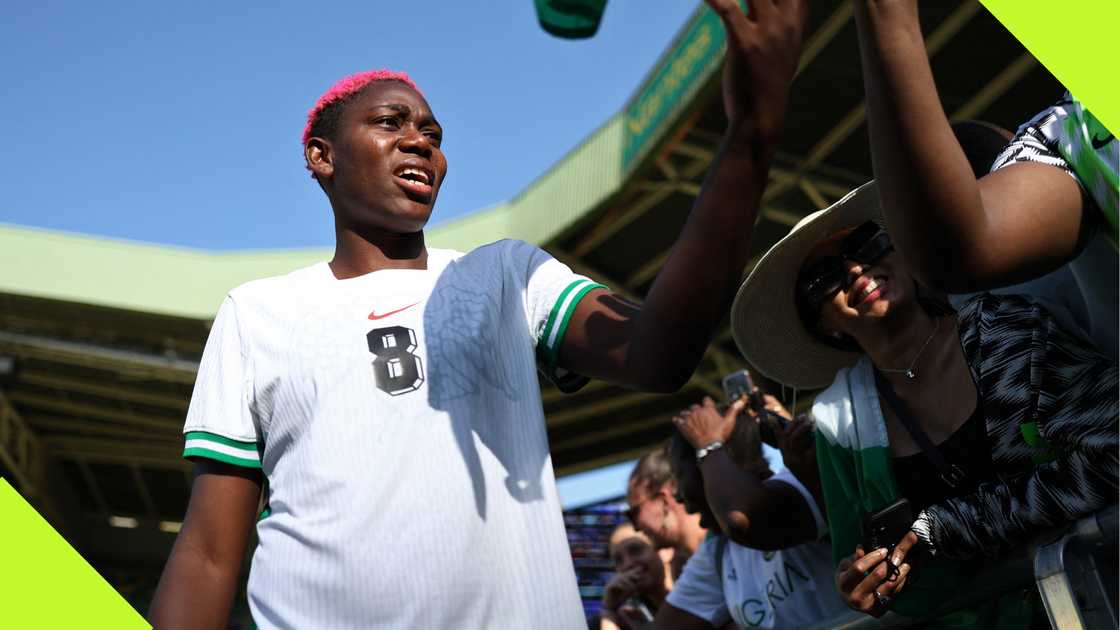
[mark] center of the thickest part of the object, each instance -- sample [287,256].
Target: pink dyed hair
[348,86]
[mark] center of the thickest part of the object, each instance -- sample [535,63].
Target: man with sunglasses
[656,511]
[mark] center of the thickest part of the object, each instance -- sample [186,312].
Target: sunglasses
[866,245]
[635,510]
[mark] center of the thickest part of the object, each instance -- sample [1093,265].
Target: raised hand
[703,424]
[763,49]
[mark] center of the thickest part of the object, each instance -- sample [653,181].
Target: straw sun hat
[764,317]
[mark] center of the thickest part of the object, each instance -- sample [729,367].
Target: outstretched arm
[752,512]
[657,345]
[200,580]
[956,233]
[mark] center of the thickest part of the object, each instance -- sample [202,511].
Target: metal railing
[1074,569]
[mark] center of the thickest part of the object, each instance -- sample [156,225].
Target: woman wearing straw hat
[990,420]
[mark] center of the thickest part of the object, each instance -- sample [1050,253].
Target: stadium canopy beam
[128,363]
[694,151]
[813,193]
[101,412]
[54,328]
[825,34]
[154,455]
[647,270]
[582,412]
[603,460]
[655,193]
[93,487]
[21,451]
[824,185]
[780,216]
[93,428]
[618,430]
[625,214]
[142,490]
[996,88]
[855,118]
[819,186]
[113,391]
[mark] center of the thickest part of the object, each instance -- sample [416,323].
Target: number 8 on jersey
[396,370]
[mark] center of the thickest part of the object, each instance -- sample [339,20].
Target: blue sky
[179,123]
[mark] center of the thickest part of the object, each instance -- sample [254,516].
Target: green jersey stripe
[198,451]
[213,437]
[554,314]
[563,326]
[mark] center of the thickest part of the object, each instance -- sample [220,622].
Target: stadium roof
[106,334]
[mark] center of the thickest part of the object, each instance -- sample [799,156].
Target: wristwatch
[701,453]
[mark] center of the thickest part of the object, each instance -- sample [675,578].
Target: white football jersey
[786,589]
[397,418]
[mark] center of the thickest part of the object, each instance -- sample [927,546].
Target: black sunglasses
[867,244]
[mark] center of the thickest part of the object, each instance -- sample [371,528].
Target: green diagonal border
[44,583]
[1076,41]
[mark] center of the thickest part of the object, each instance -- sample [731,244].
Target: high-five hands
[763,49]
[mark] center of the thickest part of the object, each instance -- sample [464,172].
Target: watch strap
[701,453]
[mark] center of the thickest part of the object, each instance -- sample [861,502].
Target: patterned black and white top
[1032,143]
[1050,405]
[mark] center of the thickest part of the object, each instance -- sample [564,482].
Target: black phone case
[887,526]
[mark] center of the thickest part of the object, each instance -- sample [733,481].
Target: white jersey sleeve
[220,424]
[552,292]
[699,591]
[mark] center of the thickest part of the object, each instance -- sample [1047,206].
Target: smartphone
[739,384]
[887,526]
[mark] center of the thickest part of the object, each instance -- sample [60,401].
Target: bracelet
[701,453]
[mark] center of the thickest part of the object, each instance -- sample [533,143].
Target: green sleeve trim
[560,317]
[196,451]
[214,437]
[542,343]
[555,358]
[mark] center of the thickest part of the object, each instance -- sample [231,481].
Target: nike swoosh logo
[1098,143]
[374,315]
